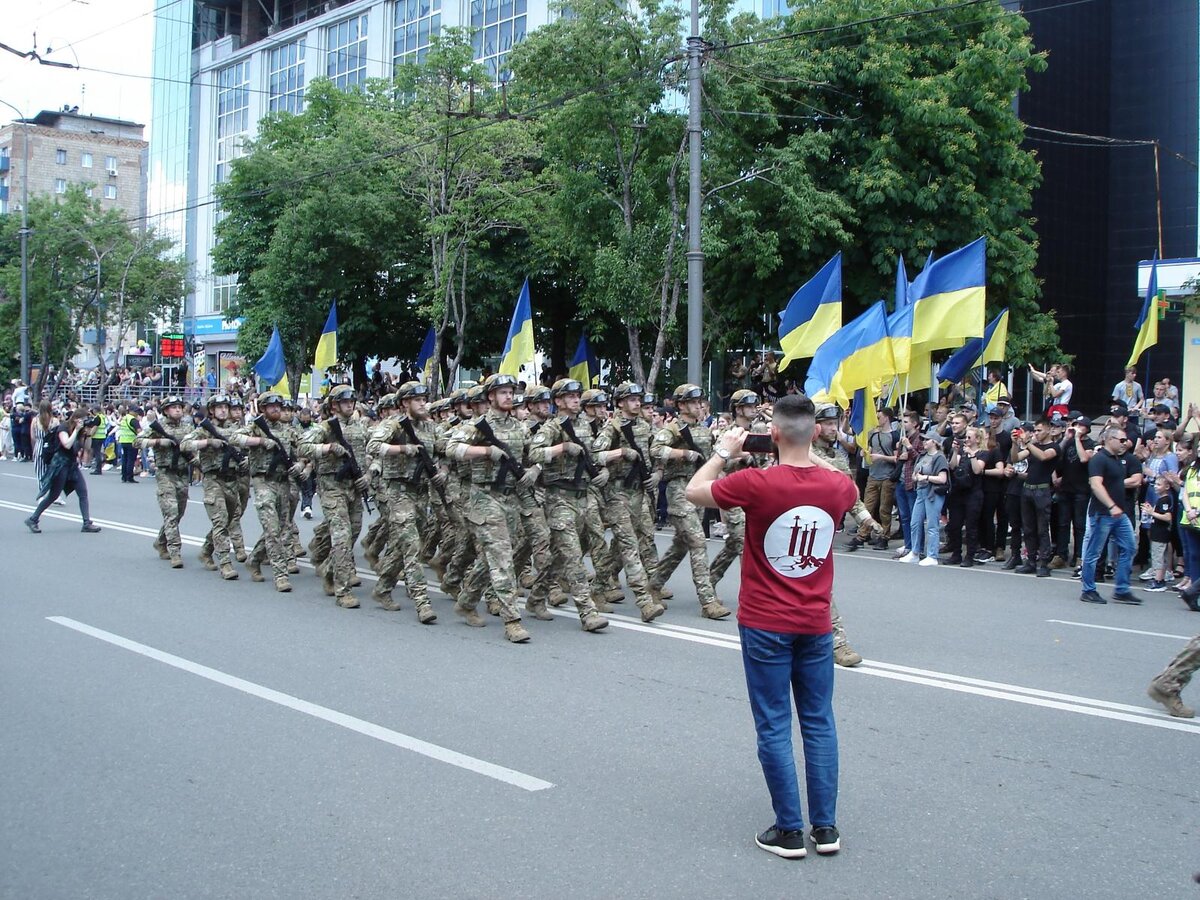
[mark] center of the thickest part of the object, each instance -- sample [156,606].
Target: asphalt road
[167,734]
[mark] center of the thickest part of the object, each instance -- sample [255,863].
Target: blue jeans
[1190,539]
[904,507]
[1094,537]
[926,514]
[778,667]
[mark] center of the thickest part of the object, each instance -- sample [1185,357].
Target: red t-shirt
[787,562]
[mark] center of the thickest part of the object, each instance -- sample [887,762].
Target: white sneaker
[308,512]
[901,553]
[908,557]
[928,561]
[1146,576]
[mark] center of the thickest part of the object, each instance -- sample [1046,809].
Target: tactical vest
[616,436]
[511,433]
[673,436]
[333,464]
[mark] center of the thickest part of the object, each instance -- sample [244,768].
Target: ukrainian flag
[900,326]
[813,314]
[949,298]
[584,366]
[518,348]
[425,360]
[326,356]
[977,351]
[1147,323]
[857,355]
[863,418]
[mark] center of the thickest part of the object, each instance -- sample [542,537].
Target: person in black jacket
[63,473]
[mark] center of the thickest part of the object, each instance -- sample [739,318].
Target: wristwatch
[723,453]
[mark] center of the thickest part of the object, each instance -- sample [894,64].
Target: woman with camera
[931,475]
[63,475]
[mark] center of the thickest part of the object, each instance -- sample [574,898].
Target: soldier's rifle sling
[426,461]
[584,462]
[281,454]
[686,433]
[508,464]
[229,451]
[350,466]
[157,428]
[639,472]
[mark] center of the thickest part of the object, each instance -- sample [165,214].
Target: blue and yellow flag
[813,314]
[901,284]
[1147,323]
[863,417]
[857,355]
[518,348]
[326,355]
[584,365]
[425,360]
[949,297]
[272,368]
[977,351]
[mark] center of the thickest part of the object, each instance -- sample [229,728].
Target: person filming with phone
[61,448]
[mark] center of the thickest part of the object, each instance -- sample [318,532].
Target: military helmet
[235,401]
[270,398]
[288,402]
[172,400]
[744,398]
[537,393]
[626,389]
[217,400]
[827,411]
[687,392]
[474,394]
[411,389]
[456,397]
[518,400]
[499,380]
[339,393]
[566,386]
[387,401]
[439,406]
[648,399]
[595,398]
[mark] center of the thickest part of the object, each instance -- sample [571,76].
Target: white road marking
[370,729]
[26,477]
[1182,637]
[946,681]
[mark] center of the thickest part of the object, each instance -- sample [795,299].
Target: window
[225,290]
[85,160]
[285,66]
[346,60]
[88,190]
[110,192]
[496,26]
[417,22]
[110,165]
[233,115]
[60,157]
[60,185]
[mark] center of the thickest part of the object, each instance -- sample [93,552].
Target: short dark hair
[794,415]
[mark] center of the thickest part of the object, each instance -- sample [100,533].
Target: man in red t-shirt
[783,614]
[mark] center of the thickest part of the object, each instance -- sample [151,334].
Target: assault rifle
[427,465]
[508,463]
[229,451]
[686,433]
[281,454]
[584,462]
[640,471]
[350,467]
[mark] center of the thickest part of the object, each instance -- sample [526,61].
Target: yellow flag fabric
[518,348]
[326,356]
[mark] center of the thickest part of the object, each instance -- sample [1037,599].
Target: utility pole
[695,255]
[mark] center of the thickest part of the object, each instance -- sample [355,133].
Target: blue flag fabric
[584,365]
[858,355]
[425,357]
[967,358]
[901,284]
[813,313]
[272,366]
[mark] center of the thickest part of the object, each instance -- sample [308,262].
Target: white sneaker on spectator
[928,561]
[1146,576]
[908,557]
[901,553]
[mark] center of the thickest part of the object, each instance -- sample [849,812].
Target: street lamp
[24,244]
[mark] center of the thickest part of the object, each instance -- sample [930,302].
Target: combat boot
[527,579]
[558,596]
[714,610]
[516,632]
[651,610]
[601,604]
[538,611]
[372,559]
[384,598]
[439,568]
[255,570]
[615,595]
[162,550]
[658,596]
[241,554]
[425,613]
[493,607]
[282,584]
[292,568]
[665,593]
[846,656]
[472,618]
[176,561]
[228,572]
[298,549]
[327,585]
[208,562]
[355,581]
[347,601]
[1169,699]
[593,621]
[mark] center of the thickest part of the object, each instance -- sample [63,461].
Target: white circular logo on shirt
[798,542]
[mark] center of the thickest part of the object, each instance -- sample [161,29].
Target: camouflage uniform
[566,480]
[220,492]
[533,558]
[268,465]
[458,495]
[332,549]
[171,484]
[236,537]
[735,517]
[625,499]
[595,544]
[290,433]
[405,487]
[689,535]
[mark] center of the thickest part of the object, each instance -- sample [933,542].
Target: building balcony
[5,164]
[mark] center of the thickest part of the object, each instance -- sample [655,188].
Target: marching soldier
[374,542]
[270,465]
[623,447]
[291,433]
[534,555]
[237,417]
[338,448]
[606,588]
[647,521]
[561,448]
[459,493]
[746,416]
[218,463]
[681,447]
[400,449]
[492,447]
[174,473]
